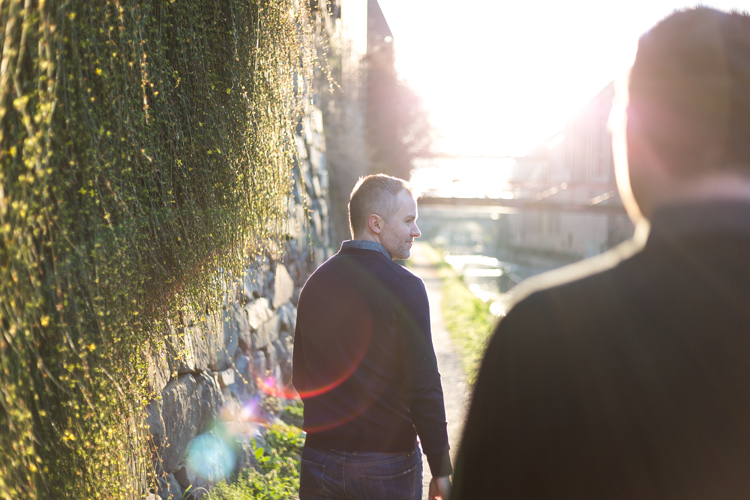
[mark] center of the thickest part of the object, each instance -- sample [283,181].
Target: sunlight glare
[499,77]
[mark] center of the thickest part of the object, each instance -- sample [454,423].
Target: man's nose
[415,232]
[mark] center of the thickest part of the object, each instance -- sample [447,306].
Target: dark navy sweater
[364,363]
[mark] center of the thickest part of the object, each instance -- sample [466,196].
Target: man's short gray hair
[374,194]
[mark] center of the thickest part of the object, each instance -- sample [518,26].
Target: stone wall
[220,379]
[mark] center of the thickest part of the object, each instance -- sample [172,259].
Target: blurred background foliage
[398,131]
[144,159]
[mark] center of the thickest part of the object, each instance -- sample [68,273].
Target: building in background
[373,122]
[573,169]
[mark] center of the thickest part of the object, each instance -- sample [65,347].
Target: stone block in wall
[287,318]
[292,270]
[319,142]
[223,345]
[301,272]
[283,286]
[245,456]
[157,369]
[292,226]
[290,249]
[258,312]
[187,350]
[323,207]
[201,356]
[155,423]
[301,147]
[303,171]
[260,366]
[237,320]
[317,223]
[284,361]
[302,221]
[319,256]
[267,333]
[211,399]
[244,382]
[316,160]
[296,191]
[188,479]
[169,488]
[225,377]
[270,277]
[323,175]
[213,334]
[307,125]
[316,187]
[253,282]
[316,117]
[240,324]
[181,414]
[272,365]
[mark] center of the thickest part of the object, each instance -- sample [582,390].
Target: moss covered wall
[146,158]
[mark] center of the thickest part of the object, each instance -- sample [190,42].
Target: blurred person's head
[688,111]
[384,209]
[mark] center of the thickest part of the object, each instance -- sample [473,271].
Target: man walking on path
[364,363]
[629,376]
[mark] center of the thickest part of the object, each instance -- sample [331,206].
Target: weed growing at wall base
[277,475]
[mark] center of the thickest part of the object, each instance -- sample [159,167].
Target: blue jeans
[350,475]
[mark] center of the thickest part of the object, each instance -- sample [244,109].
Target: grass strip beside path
[467,319]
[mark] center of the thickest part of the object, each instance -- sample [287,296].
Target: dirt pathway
[449,362]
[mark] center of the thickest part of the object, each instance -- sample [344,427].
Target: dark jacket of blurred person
[628,376]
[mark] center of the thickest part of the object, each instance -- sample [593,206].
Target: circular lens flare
[210,457]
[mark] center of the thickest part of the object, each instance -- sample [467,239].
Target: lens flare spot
[274,387]
[210,457]
[250,411]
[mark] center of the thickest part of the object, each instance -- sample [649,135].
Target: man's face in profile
[399,231]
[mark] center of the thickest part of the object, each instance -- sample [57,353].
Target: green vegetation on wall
[144,158]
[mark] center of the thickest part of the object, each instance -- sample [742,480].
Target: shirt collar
[366,245]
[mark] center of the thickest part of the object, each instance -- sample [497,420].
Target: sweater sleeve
[421,375]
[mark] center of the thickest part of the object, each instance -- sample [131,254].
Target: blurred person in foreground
[628,376]
[364,363]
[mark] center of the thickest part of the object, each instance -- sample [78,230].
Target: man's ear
[375,223]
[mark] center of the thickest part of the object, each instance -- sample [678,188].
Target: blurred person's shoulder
[574,289]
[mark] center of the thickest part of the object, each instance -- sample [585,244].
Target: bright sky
[498,76]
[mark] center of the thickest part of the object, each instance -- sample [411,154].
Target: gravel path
[449,362]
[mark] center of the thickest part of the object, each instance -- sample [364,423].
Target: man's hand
[440,487]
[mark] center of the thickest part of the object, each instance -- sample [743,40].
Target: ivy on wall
[144,157]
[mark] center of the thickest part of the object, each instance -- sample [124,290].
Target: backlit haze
[498,77]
